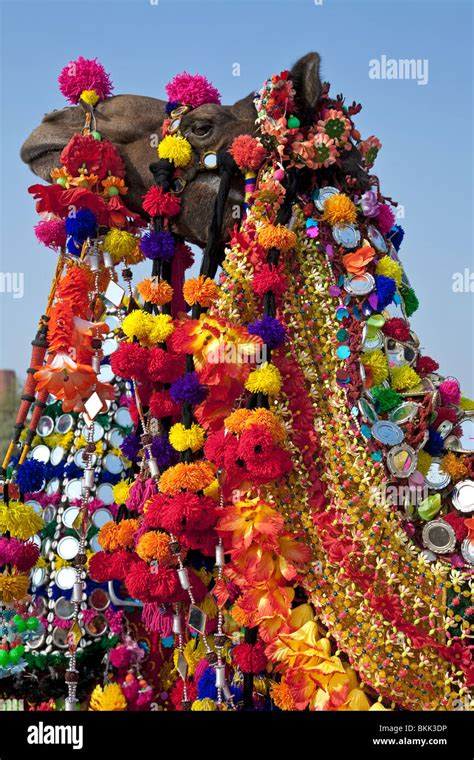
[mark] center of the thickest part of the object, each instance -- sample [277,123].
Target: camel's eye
[201,130]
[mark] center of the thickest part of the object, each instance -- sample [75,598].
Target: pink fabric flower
[450,392]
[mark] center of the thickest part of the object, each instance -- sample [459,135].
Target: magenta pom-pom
[192,90]
[84,74]
[52,234]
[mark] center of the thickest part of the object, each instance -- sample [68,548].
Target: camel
[133,123]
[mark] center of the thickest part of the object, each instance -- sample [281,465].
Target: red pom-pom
[182,512]
[100,567]
[164,366]
[397,328]
[458,525]
[158,203]
[250,658]
[247,152]
[270,278]
[177,693]
[162,405]
[130,361]
[425,365]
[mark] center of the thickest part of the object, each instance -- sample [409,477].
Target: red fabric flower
[165,366]
[397,328]
[250,658]
[158,203]
[82,150]
[270,278]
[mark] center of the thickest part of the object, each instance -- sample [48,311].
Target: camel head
[133,123]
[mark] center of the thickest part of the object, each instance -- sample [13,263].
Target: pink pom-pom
[385,218]
[52,234]
[192,90]
[84,74]
[450,392]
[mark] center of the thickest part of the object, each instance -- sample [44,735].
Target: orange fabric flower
[155,291]
[201,290]
[356,261]
[252,520]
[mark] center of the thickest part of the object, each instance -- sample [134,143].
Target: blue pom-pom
[82,226]
[435,444]
[30,476]
[386,287]
[71,471]
[170,106]
[158,245]
[396,235]
[270,330]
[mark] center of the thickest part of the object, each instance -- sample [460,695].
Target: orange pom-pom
[276,236]
[154,545]
[157,292]
[201,290]
[247,152]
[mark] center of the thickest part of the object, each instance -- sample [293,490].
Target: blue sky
[426,130]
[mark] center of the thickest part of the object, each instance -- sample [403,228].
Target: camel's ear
[245,108]
[306,81]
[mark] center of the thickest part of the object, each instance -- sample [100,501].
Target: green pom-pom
[386,399]
[293,122]
[32,623]
[21,626]
[4,658]
[410,300]
[17,619]
[96,135]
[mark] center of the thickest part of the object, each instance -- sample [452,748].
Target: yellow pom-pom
[13,586]
[121,491]
[176,149]
[120,244]
[276,236]
[466,404]
[203,705]
[266,379]
[154,545]
[201,290]
[109,698]
[212,490]
[404,378]
[162,328]
[376,362]
[454,466]
[149,330]
[424,462]
[182,438]
[339,209]
[90,96]
[19,520]
[389,268]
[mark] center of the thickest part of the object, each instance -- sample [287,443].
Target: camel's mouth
[41,158]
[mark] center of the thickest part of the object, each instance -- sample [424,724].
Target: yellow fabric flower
[90,96]
[20,520]
[109,698]
[120,244]
[339,209]
[389,268]
[466,404]
[376,362]
[266,379]
[404,378]
[276,236]
[176,149]
[182,438]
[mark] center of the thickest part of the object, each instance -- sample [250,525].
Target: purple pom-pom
[270,330]
[130,447]
[386,287]
[158,245]
[188,389]
[163,452]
